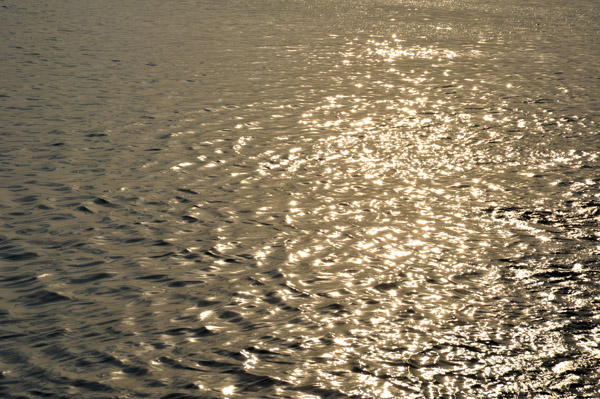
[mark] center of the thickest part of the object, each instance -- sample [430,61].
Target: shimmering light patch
[229,390]
[395,183]
[393,49]
[205,314]
[181,165]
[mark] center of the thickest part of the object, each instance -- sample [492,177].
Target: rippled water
[300,199]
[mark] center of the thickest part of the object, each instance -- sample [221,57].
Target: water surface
[299,199]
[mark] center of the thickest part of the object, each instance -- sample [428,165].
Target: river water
[299,199]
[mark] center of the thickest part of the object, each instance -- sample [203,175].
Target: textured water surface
[300,199]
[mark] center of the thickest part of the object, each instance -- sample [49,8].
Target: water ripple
[298,200]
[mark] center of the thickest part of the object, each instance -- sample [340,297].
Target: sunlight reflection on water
[412,259]
[302,199]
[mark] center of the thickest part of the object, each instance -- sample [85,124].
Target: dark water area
[300,199]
